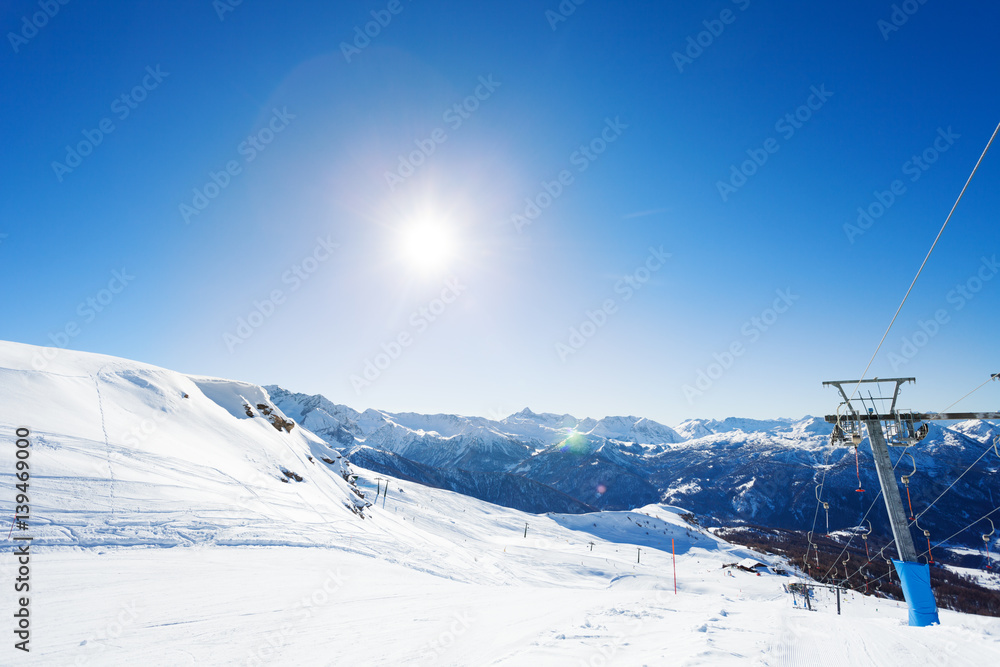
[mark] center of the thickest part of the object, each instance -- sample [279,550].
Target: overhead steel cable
[927,257]
[944,541]
[991,378]
[950,486]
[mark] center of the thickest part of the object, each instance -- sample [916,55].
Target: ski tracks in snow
[107,442]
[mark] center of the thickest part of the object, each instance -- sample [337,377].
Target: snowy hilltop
[117,439]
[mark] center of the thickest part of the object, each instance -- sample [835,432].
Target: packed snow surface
[173,528]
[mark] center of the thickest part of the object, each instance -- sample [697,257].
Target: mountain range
[730,471]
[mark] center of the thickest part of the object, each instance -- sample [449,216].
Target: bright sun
[427,246]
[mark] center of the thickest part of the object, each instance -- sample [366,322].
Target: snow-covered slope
[185,520]
[977,429]
[150,456]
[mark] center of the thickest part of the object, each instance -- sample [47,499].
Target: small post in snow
[673,557]
[637,552]
[525,531]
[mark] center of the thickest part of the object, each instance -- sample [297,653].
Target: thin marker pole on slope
[673,557]
[637,552]
[525,531]
[11,531]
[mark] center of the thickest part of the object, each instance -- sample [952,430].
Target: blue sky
[288,202]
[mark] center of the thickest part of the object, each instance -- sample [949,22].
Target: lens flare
[575,443]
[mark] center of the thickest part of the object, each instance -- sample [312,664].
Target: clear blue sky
[310,128]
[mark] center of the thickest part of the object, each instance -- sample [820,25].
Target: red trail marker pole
[673,557]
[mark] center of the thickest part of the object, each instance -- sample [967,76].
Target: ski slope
[164,534]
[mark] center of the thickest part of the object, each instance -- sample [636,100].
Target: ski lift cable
[970,525]
[851,538]
[991,378]
[957,479]
[924,263]
[958,532]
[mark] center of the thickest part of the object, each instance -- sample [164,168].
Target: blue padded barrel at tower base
[915,578]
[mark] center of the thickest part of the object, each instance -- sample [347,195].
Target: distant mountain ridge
[733,470]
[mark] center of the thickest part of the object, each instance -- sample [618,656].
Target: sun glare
[427,246]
